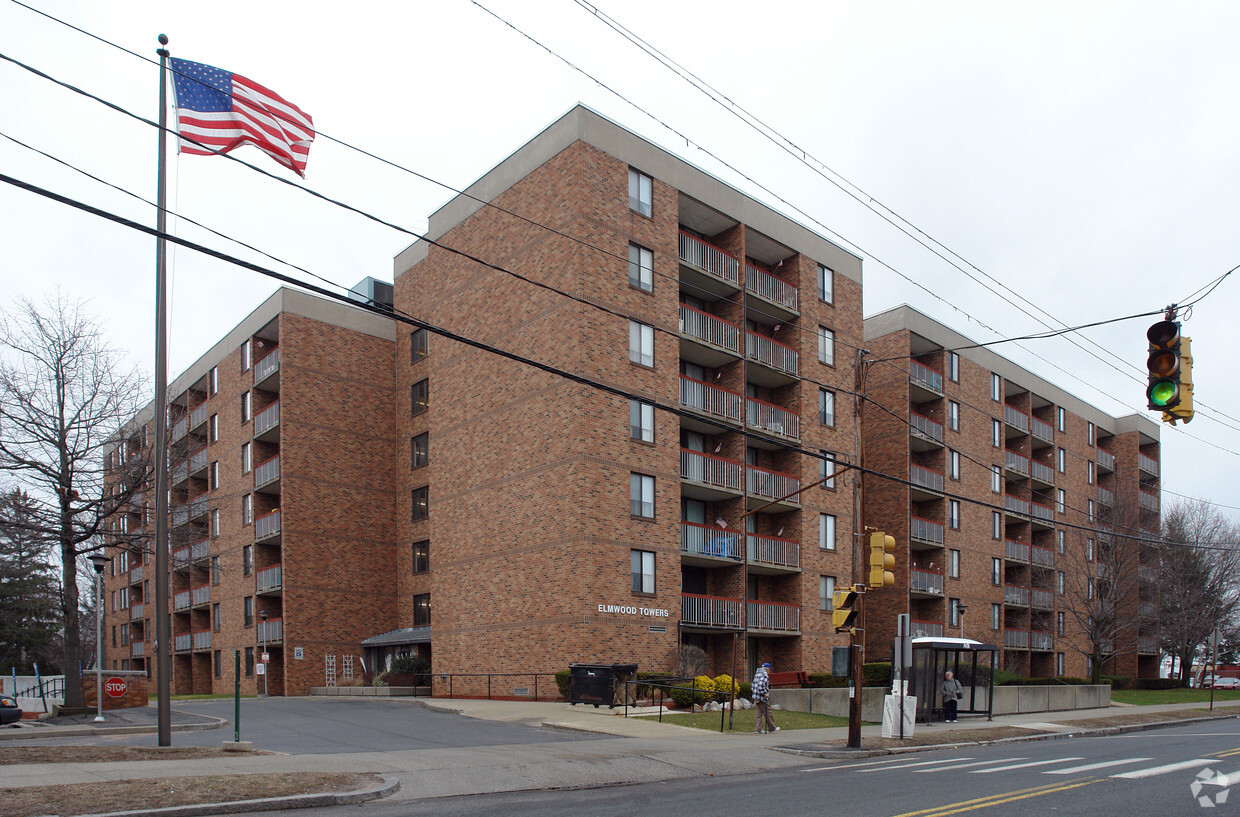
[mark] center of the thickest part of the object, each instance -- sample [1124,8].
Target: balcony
[706,339]
[179,429]
[1016,639]
[136,611]
[772,617]
[926,484]
[137,649]
[201,640]
[1042,430]
[1148,501]
[772,554]
[1016,505]
[199,596]
[772,485]
[267,526]
[925,582]
[1042,472]
[1016,419]
[182,642]
[269,579]
[1106,460]
[711,400]
[267,424]
[709,544]
[193,510]
[198,416]
[1147,645]
[1016,464]
[198,463]
[1041,557]
[771,419]
[1041,599]
[1106,497]
[182,557]
[779,295]
[924,532]
[926,379]
[721,270]
[779,359]
[1146,463]
[1042,642]
[1015,596]
[924,431]
[180,601]
[717,477]
[135,575]
[1015,551]
[180,473]
[267,368]
[710,611]
[1041,513]
[270,631]
[267,476]
[926,629]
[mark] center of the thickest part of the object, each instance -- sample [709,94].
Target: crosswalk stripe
[1089,767]
[886,764]
[1025,765]
[966,765]
[912,765]
[1154,771]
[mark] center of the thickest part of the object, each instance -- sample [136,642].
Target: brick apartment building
[544,521]
[1015,490]
[282,528]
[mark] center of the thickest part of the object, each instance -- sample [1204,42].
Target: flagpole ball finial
[163,39]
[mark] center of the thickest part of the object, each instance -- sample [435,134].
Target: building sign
[630,610]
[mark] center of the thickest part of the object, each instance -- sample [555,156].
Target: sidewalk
[639,749]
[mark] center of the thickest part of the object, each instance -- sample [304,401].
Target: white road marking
[912,765]
[967,765]
[1026,765]
[1089,767]
[886,764]
[1154,771]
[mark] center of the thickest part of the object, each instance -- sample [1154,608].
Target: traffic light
[882,560]
[1169,364]
[1183,411]
[843,612]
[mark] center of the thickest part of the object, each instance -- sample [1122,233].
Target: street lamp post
[98,561]
[262,635]
[960,610]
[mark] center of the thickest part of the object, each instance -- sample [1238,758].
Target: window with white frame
[996,386]
[641,495]
[247,509]
[215,475]
[641,570]
[215,522]
[953,415]
[953,465]
[826,284]
[1060,581]
[641,192]
[1089,550]
[996,479]
[246,458]
[1089,472]
[953,367]
[1089,433]
[1063,462]
[641,343]
[1059,663]
[996,525]
[245,407]
[1060,500]
[1090,510]
[1059,537]
[1059,623]
[826,593]
[996,571]
[996,433]
[826,407]
[213,428]
[953,564]
[641,421]
[826,346]
[953,612]
[213,381]
[996,616]
[245,355]
[641,268]
[247,560]
[1063,417]
[826,469]
[826,531]
[953,514]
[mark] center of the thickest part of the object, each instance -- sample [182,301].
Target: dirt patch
[10,755]
[93,798]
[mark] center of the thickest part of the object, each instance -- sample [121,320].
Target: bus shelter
[971,662]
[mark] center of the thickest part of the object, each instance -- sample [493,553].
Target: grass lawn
[744,719]
[1150,697]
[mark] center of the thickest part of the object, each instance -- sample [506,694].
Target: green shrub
[746,690]
[876,674]
[1117,681]
[562,682]
[410,665]
[1156,683]
[690,691]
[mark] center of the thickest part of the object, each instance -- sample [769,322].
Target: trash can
[590,684]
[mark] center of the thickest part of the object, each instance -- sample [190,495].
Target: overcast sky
[1081,154]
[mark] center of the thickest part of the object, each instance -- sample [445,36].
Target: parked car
[10,712]
[1226,682]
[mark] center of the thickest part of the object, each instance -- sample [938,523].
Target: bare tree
[63,398]
[1198,578]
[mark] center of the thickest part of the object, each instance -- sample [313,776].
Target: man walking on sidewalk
[761,691]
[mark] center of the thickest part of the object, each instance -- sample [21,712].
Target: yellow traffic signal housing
[1164,367]
[843,614]
[882,560]
[1183,410]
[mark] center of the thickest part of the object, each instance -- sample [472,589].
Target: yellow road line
[998,799]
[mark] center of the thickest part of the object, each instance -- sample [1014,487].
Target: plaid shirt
[761,685]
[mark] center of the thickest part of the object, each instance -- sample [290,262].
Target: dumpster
[590,684]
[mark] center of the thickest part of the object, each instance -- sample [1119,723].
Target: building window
[217,662]
[1089,509]
[996,479]
[422,556]
[826,407]
[215,570]
[419,397]
[1060,499]
[826,531]
[248,611]
[826,593]
[641,192]
[1059,663]
[826,284]
[996,386]
[641,568]
[641,343]
[215,617]
[1089,550]
[215,475]
[418,340]
[245,407]
[996,616]
[215,522]
[249,662]
[953,367]
[953,514]
[953,564]
[826,469]
[1089,472]
[1062,417]
[953,612]
[996,571]
[421,503]
[1089,589]
[953,464]
[1059,623]
[246,458]
[421,450]
[247,560]
[1060,580]
[124,635]
[213,381]
[826,346]
[953,415]
[245,356]
[422,610]
[996,433]
[247,509]
[641,421]
[1063,462]
[1059,536]
[1089,433]
[641,495]
[996,525]
[641,268]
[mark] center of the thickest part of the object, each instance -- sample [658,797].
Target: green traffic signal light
[1163,365]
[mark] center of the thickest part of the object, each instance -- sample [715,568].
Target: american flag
[223,111]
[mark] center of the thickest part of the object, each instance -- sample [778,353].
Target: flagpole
[163,627]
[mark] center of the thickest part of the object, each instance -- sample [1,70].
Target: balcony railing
[267,472]
[271,631]
[179,429]
[180,601]
[708,328]
[712,400]
[135,575]
[931,629]
[198,460]
[697,539]
[1017,639]
[269,578]
[772,484]
[1016,505]
[925,478]
[1147,610]
[710,258]
[768,286]
[1041,641]
[1106,497]
[773,550]
[710,470]
[182,514]
[1016,462]
[183,642]
[923,530]
[771,418]
[202,639]
[267,525]
[191,553]
[1147,645]
[772,353]
[267,419]
[1015,418]
[709,611]
[198,415]
[136,611]
[267,366]
[1106,459]
[926,427]
[1042,430]
[1147,500]
[1016,551]
[769,615]
[1042,472]
[137,649]
[925,376]
[1042,599]
[1146,463]
[1039,511]
[200,595]
[925,581]
[1015,595]
[1044,557]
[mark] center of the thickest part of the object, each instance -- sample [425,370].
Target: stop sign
[115,687]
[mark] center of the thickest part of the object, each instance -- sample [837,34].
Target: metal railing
[469,682]
[926,427]
[773,550]
[1106,459]
[179,429]
[925,478]
[180,601]
[1106,497]
[1041,472]
[1015,595]
[269,578]
[771,287]
[708,328]
[696,466]
[198,415]
[1016,551]
[710,258]
[267,366]
[770,615]
[1042,599]
[268,471]
[135,575]
[772,484]
[1147,644]
[267,419]
[925,376]
[1016,462]
[697,539]
[709,399]
[267,525]
[771,418]
[932,629]
[137,649]
[771,353]
[1016,504]
[201,639]
[923,530]
[182,642]
[1040,641]
[1018,639]
[1044,557]
[1039,511]
[200,595]
[191,553]
[198,460]
[270,631]
[1147,463]
[1016,418]
[1147,500]
[136,611]
[925,581]
[709,611]
[1042,430]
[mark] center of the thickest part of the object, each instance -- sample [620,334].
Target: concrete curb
[390,786]
[53,731]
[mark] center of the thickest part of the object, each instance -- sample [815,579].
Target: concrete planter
[1009,700]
